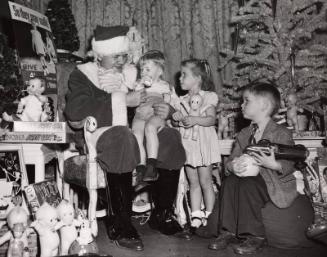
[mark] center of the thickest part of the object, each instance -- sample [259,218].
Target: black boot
[163,192]
[119,225]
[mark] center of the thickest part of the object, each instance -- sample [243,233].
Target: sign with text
[36,50]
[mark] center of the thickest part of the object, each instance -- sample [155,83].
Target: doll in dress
[30,107]
[46,225]
[194,108]
[68,232]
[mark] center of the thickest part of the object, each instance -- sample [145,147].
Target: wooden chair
[75,168]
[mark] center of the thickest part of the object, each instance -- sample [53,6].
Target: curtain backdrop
[180,28]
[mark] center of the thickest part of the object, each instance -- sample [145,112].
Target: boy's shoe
[222,241]
[250,245]
[132,243]
[151,174]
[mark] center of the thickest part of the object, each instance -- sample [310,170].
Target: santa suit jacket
[117,149]
[281,186]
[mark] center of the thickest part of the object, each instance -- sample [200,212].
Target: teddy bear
[46,225]
[193,108]
[68,231]
[17,220]
[30,107]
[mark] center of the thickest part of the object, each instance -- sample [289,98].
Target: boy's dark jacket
[281,186]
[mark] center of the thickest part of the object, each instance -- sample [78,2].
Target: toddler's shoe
[151,174]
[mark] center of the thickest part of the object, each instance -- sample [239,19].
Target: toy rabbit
[84,243]
[46,225]
[193,108]
[292,112]
[17,222]
[68,232]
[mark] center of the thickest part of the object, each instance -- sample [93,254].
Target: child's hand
[267,161]
[238,166]
[189,121]
[178,116]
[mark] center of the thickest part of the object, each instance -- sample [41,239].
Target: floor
[158,245]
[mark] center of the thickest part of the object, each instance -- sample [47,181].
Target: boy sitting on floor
[244,196]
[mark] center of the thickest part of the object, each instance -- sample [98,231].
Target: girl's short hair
[201,68]
[153,55]
[267,90]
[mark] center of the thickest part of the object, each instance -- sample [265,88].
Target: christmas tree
[10,77]
[63,26]
[278,42]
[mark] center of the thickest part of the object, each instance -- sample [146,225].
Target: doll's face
[291,100]
[66,214]
[50,219]
[35,87]
[196,102]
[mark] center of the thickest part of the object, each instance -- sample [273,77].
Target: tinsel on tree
[63,25]
[277,41]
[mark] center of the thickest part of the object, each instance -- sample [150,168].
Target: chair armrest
[89,123]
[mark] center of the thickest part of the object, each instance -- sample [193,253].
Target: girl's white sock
[205,217]
[196,218]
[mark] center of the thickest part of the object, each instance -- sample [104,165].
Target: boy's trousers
[241,202]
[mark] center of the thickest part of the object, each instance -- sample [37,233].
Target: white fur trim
[110,46]
[119,109]
[90,70]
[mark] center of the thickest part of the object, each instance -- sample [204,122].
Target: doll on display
[30,107]
[39,47]
[17,235]
[193,108]
[68,232]
[223,122]
[46,225]
[292,112]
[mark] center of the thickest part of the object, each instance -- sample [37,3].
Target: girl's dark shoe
[250,245]
[222,241]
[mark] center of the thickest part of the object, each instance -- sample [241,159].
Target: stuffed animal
[292,112]
[46,225]
[84,243]
[252,169]
[193,108]
[68,232]
[17,235]
[30,107]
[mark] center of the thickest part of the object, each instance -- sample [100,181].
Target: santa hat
[110,40]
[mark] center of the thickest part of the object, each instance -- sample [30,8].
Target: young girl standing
[201,151]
